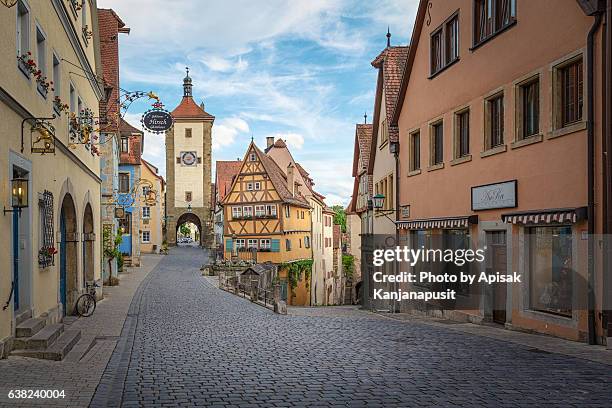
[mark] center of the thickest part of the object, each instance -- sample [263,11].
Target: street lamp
[19,194]
[378,201]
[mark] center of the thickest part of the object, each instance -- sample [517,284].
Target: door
[63,262]
[496,243]
[16,260]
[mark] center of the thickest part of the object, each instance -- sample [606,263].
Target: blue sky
[295,69]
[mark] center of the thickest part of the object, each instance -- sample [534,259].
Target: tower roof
[188,108]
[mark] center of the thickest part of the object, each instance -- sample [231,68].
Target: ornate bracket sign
[42,137]
[157,120]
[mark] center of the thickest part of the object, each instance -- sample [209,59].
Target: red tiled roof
[225,172]
[188,109]
[279,180]
[391,61]
[363,140]
[125,127]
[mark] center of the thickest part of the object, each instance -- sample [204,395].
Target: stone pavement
[187,343]
[184,342]
[80,371]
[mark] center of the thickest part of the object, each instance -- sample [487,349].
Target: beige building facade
[51,249]
[152,209]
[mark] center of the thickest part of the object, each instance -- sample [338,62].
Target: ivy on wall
[295,271]
[348,265]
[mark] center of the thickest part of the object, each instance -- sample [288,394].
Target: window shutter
[228,245]
[275,245]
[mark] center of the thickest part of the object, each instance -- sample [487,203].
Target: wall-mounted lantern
[378,201]
[19,194]
[189,208]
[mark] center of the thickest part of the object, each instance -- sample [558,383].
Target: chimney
[290,179]
[269,141]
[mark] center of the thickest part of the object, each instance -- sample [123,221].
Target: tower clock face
[189,158]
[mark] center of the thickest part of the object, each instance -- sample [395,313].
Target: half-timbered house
[265,214]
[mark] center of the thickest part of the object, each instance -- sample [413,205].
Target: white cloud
[293,140]
[216,63]
[225,131]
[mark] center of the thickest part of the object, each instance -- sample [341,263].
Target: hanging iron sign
[157,120]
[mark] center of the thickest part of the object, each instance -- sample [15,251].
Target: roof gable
[361,154]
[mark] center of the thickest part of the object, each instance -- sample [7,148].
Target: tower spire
[365,118]
[187,85]
[388,37]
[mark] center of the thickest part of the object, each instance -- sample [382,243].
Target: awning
[438,223]
[552,216]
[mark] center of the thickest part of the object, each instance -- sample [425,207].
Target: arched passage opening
[88,245]
[192,222]
[68,285]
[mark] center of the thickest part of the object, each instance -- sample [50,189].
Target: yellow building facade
[265,213]
[50,249]
[152,209]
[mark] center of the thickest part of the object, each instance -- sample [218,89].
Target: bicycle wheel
[86,304]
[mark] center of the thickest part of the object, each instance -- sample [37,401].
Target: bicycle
[86,303]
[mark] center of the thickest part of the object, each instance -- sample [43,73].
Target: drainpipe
[607,84]
[397,215]
[591,177]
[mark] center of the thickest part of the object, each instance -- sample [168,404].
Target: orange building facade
[500,120]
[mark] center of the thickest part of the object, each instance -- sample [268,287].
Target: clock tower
[188,168]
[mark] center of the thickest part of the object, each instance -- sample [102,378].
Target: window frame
[520,108]
[146,241]
[434,145]
[458,136]
[495,31]
[125,176]
[56,74]
[188,132]
[236,212]
[22,41]
[146,214]
[260,210]
[442,31]
[265,243]
[41,56]
[247,211]
[488,123]
[188,196]
[414,156]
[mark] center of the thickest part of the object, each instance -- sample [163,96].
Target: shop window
[494,118]
[421,239]
[414,151]
[491,17]
[528,111]
[462,133]
[455,240]
[550,269]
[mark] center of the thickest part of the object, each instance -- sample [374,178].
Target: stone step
[62,346]
[22,317]
[40,340]
[56,351]
[30,327]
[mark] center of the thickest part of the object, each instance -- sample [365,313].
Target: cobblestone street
[188,343]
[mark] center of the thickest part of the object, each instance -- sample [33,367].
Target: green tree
[185,230]
[340,217]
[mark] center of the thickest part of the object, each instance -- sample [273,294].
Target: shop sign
[496,195]
[157,120]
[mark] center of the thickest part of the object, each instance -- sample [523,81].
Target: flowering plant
[31,68]
[48,251]
[59,105]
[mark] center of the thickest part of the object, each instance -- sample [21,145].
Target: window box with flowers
[28,66]
[59,106]
[45,256]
